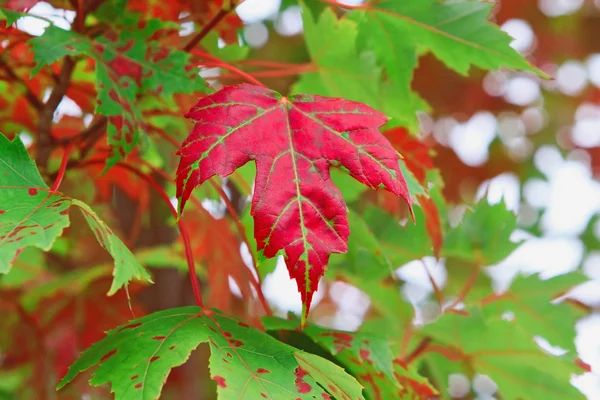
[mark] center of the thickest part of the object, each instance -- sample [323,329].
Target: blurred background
[502,135]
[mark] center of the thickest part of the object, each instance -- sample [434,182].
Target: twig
[45,142]
[238,223]
[206,29]
[466,288]
[420,349]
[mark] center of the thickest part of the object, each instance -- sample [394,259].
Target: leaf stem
[466,288]
[238,223]
[219,63]
[62,169]
[419,350]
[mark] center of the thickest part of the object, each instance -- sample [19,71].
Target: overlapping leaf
[529,300]
[483,236]
[294,142]
[136,359]
[457,32]
[127,64]
[502,350]
[368,357]
[31,214]
[342,71]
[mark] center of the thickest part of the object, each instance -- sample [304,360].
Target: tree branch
[207,28]
[45,141]
[29,95]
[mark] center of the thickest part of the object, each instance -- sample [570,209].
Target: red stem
[256,282]
[184,234]
[219,63]
[466,288]
[419,350]
[62,169]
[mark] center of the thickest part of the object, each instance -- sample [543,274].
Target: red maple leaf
[294,141]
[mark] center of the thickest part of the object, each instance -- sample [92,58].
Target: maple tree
[197,160]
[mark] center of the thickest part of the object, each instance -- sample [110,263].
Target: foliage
[133,111]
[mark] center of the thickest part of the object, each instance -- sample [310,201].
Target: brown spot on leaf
[2,212]
[130,326]
[229,354]
[108,355]
[154,358]
[243,324]
[159,338]
[32,191]
[64,212]
[263,395]
[326,396]
[301,385]
[236,343]
[137,386]
[133,378]
[262,371]
[220,381]
[172,347]
[227,334]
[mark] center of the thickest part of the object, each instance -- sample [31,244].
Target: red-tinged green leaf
[529,300]
[35,216]
[344,72]
[135,359]
[368,357]
[490,345]
[30,214]
[361,347]
[294,142]
[483,236]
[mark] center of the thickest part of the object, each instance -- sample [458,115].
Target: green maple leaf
[135,359]
[483,236]
[504,351]
[530,300]
[344,72]
[458,33]
[34,215]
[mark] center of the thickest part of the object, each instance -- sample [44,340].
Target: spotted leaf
[136,359]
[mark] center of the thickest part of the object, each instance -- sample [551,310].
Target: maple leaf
[294,142]
[493,346]
[34,215]
[342,71]
[458,33]
[245,363]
